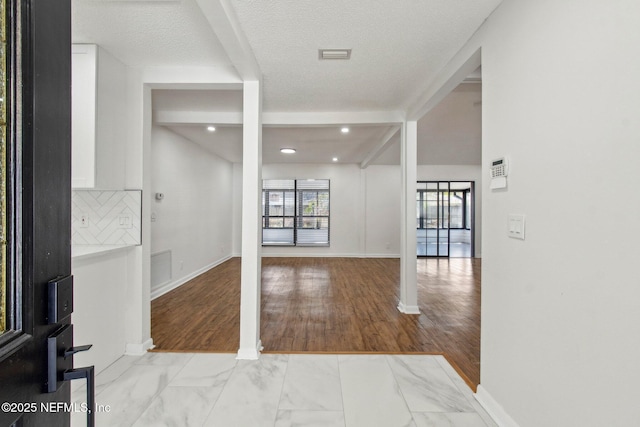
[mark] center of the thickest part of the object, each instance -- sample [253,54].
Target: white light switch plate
[516,226]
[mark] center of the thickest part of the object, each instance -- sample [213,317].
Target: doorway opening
[445,215]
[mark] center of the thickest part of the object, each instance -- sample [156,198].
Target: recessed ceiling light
[334,53]
[344,130]
[211,128]
[335,159]
[287,150]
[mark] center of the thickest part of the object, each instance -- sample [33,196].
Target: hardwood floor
[331,305]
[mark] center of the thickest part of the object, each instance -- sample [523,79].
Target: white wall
[382,211]
[237,209]
[561,309]
[110,116]
[194,220]
[99,294]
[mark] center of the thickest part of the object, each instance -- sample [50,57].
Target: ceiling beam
[225,25]
[210,78]
[291,119]
[380,118]
[384,143]
[167,118]
[441,86]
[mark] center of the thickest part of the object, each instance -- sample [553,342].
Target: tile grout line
[284,380]
[235,365]
[395,380]
[159,392]
[344,412]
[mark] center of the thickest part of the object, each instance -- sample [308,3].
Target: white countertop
[86,251]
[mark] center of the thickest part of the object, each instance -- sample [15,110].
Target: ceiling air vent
[334,53]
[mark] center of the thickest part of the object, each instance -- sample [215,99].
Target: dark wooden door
[37,203]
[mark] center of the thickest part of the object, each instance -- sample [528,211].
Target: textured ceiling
[397,46]
[148,33]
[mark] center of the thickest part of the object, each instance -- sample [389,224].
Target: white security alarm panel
[499,167]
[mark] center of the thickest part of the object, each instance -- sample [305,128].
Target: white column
[250,282]
[136,306]
[408,265]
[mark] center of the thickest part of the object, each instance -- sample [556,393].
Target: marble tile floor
[282,390]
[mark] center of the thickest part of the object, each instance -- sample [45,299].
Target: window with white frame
[295,212]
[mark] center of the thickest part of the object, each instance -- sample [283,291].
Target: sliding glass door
[444,219]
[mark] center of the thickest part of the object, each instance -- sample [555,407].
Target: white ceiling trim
[384,143]
[224,23]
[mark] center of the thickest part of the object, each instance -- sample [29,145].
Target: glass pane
[323,203]
[309,203]
[457,198]
[276,203]
[276,222]
[308,223]
[323,223]
[3,174]
[431,210]
[289,203]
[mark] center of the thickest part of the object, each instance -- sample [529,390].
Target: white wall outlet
[516,226]
[84,221]
[125,221]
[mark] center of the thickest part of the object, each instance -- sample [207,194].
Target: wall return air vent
[334,53]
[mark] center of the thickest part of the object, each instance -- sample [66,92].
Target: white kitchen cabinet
[97,102]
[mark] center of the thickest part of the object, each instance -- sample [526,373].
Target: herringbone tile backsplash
[106,217]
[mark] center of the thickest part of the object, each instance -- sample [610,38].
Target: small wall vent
[334,53]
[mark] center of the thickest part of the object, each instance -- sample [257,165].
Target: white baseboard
[250,353]
[163,289]
[326,255]
[308,255]
[323,255]
[138,349]
[408,309]
[381,256]
[493,408]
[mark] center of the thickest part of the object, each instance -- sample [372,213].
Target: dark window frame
[19,326]
[299,217]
